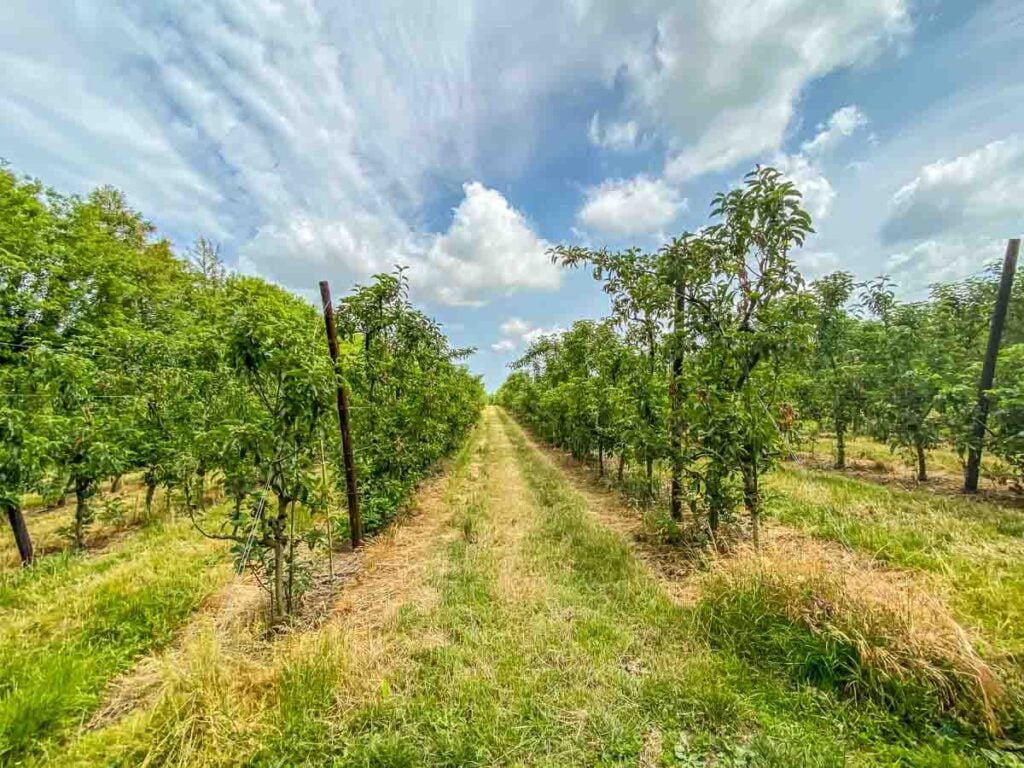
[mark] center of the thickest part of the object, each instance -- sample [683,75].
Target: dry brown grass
[905,640]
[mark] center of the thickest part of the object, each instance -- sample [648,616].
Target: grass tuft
[858,634]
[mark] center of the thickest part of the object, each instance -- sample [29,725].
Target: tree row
[717,356]
[118,358]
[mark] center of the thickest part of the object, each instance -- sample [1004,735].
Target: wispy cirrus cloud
[313,138]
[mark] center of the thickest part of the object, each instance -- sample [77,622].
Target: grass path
[512,621]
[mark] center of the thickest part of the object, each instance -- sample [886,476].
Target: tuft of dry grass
[870,632]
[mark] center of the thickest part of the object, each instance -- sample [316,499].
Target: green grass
[862,450]
[807,719]
[559,649]
[972,551]
[547,644]
[72,622]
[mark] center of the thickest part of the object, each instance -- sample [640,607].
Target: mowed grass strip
[73,622]
[549,645]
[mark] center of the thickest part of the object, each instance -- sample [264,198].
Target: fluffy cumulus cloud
[942,260]
[804,168]
[489,246]
[515,327]
[724,77]
[640,205]
[816,189]
[841,125]
[982,190]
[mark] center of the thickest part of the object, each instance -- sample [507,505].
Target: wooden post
[988,371]
[354,518]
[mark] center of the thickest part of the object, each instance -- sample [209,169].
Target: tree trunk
[676,395]
[922,472]
[355,519]
[600,459]
[622,467]
[840,445]
[201,488]
[291,560]
[150,493]
[649,461]
[115,484]
[20,530]
[186,488]
[752,500]
[81,512]
[279,566]
[713,493]
[676,499]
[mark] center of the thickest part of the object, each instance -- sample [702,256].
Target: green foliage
[118,357]
[706,394]
[1006,418]
[716,357]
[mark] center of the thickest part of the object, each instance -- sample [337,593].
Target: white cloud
[515,326]
[630,206]
[488,249]
[977,191]
[310,139]
[725,77]
[540,333]
[939,261]
[518,332]
[619,137]
[814,264]
[817,190]
[804,168]
[841,125]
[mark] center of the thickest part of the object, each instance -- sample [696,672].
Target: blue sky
[317,139]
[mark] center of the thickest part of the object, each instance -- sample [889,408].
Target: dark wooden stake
[20,530]
[355,520]
[988,371]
